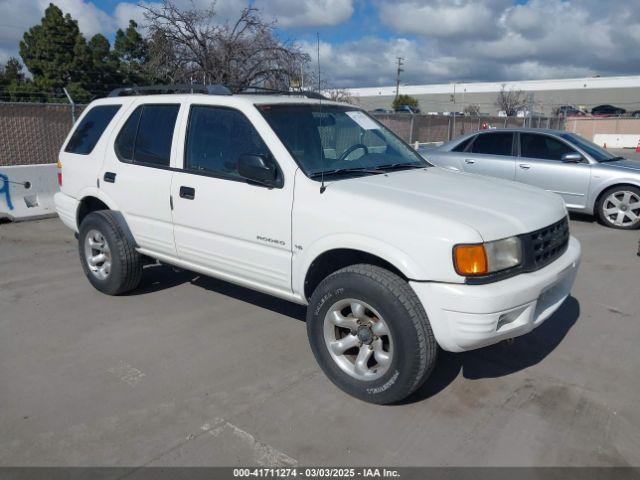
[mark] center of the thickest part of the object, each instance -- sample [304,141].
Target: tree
[49,50]
[11,72]
[187,45]
[405,100]
[341,95]
[472,110]
[132,52]
[512,101]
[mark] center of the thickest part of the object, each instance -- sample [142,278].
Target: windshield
[338,140]
[598,153]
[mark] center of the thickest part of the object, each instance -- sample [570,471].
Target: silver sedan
[588,178]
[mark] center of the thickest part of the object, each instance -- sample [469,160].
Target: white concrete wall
[26,191]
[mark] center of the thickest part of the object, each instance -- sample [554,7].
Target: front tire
[619,207]
[109,260]
[370,334]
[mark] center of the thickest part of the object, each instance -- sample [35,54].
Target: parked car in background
[607,110]
[407,109]
[569,111]
[382,110]
[589,179]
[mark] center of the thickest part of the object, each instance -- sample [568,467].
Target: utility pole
[399,71]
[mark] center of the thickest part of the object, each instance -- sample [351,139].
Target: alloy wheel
[358,339]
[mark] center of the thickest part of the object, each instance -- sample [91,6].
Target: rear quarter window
[90,129]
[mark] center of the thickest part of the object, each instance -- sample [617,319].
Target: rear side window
[90,129]
[147,134]
[493,143]
[461,147]
[542,146]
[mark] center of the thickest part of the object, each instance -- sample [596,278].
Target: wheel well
[89,205]
[334,260]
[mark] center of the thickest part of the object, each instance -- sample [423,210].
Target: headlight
[489,257]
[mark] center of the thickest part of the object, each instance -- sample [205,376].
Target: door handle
[524,166]
[188,193]
[109,177]
[469,161]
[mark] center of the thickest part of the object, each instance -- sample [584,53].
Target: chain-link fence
[442,128]
[32,133]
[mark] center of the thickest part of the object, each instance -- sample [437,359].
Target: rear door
[540,164]
[137,173]
[491,154]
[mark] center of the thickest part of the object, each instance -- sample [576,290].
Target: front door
[540,164]
[240,231]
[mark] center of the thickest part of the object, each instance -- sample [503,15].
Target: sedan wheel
[621,208]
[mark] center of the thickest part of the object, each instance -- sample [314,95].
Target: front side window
[542,146]
[336,139]
[90,129]
[498,143]
[596,151]
[217,137]
[147,134]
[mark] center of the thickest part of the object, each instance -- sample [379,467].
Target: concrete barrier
[26,191]
[616,140]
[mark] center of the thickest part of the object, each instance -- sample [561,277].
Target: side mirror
[571,157]
[258,168]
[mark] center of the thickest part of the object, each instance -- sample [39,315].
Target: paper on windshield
[362,120]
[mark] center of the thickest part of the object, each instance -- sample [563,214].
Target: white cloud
[306,13]
[444,18]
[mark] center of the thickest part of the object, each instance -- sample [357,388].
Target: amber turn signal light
[470,260]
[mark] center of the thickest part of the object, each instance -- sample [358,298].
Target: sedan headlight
[486,258]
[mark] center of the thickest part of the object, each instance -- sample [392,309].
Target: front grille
[543,246]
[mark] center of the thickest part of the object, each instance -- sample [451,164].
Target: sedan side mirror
[259,169]
[571,157]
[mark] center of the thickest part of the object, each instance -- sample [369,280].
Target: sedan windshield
[338,140]
[598,153]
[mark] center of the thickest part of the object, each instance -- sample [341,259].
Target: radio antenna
[322,185]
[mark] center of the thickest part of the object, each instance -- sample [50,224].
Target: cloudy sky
[441,40]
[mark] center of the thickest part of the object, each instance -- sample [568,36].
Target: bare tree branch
[190,44]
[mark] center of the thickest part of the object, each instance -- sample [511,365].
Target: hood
[495,208]
[625,164]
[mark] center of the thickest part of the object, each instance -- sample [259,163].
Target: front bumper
[465,317]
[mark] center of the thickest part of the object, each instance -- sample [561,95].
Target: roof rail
[159,89]
[272,91]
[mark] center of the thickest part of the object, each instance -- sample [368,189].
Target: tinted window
[493,143]
[542,146]
[127,136]
[462,146]
[90,129]
[147,135]
[217,137]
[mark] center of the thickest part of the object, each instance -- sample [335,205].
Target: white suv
[317,203]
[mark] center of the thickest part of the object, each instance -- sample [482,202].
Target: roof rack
[272,91]
[159,89]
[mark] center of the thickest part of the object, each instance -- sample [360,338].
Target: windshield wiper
[614,158]
[393,166]
[339,171]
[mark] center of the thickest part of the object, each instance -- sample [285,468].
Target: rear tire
[108,257]
[619,207]
[370,334]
